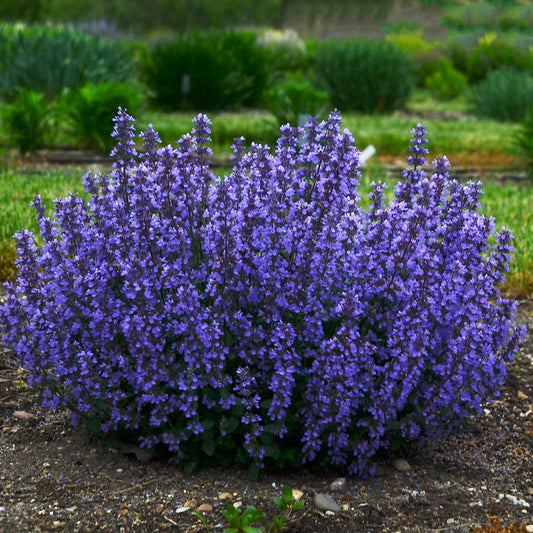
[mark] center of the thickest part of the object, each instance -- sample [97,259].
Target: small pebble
[338,485]
[225,496]
[297,495]
[24,416]
[205,508]
[516,501]
[521,396]
[401,465]
[323,502]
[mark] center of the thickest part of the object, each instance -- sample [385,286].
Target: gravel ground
[57,478]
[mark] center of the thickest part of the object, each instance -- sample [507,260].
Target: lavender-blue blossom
[265,308]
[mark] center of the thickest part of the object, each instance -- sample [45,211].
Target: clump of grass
[16,193]
[510,205]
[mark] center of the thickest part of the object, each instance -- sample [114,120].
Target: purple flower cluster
[267,305]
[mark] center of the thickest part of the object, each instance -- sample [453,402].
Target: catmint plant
[264,316]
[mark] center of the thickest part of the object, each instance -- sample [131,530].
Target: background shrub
[26,121]
[285,51]
[208,71]
[524,137]
[294,98]
[49,60]
[264,317]
[368,76]
[504,95]
[491,54]
[446,82]
[88,112]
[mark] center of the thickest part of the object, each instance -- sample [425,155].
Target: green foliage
[28,10]
[493,53]
[208,71]
[503,95]
[474,15]
[285,51]
[446,82]
[411,41]
[517,17]
[368,76]
[524,138]
[294,97]
[426,53]
[25,122]
[49,60]
[89,112]
[243,523]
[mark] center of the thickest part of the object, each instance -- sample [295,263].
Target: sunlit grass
[389,134]
[16,193]
[511,206]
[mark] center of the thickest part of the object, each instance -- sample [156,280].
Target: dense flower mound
[266,316]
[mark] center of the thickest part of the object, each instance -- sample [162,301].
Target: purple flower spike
[266,312]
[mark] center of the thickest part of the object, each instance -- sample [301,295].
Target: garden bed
[55,477]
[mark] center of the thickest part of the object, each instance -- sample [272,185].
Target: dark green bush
[26,121]
[296,97]
[88,112]
[524,138]
[368,76]
[517,17]
[493,54]
[446,82]
[504,95]
[208,71]
[471,16]
[49,60]
[458,51]
[285,51]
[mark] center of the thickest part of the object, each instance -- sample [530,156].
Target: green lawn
[389,134]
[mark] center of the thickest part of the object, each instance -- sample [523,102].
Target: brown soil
[475,162]
[57,478]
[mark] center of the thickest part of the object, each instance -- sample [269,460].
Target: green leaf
[287,493]
[207,424]
[249,529]
[232,424]
[298,505]
[208,446]
[255,514]
[232,516]
[272,451]
[397,442]
[253,472]
[280,502]
[93,425]
[190,467]
[278,523]
[395,425]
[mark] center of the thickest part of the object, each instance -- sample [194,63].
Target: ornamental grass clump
[264,317]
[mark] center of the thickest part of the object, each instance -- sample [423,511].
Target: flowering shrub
[265,317]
